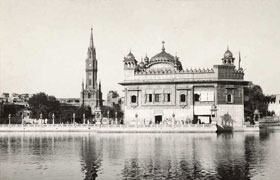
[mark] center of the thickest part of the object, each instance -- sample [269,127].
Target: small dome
[146,59]
[141,64]
[130,56]
[228,54]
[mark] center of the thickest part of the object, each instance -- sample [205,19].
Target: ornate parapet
[174,71]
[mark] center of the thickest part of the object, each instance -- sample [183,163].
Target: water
[64,156]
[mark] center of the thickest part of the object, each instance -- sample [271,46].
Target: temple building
[91,94]
[274,104]
[159,89]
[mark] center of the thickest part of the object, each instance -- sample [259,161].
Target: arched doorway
[158,119]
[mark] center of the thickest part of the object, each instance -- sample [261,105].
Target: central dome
[163,60]
[162,56]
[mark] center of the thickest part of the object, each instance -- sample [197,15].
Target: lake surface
[76,155]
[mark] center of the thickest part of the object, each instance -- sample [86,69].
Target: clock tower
[91,94]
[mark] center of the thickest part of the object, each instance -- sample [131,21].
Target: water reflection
[174,156]
[92,156]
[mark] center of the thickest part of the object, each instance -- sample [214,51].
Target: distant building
[15,98]
[159,89]
[274,104]
[91,94]
[113,99]
[5,98]
[70,101]
[5,95]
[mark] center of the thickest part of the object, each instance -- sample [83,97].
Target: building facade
[274,104]
[159,89]
[91,94]
[70,101]
[15,98]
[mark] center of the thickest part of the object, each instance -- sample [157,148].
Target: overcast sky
[43,44]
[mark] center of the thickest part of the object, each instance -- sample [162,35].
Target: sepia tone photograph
[139,89]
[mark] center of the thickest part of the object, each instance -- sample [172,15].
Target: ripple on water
[139,156]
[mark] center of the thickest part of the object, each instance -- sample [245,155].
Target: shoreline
[189,128]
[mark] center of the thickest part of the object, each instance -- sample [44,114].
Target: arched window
[133,99]
[196,97]
[229,98]
[182,98]
[89,96]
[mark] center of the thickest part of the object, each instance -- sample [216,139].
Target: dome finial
[227,48]
[163,48]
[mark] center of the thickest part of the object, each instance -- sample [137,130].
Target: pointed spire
[239,62]
[91,48]
[227,48]
[91,45]
[83,93]
[99,102]
[176,57]
[83,85]
[146,59]
[163,48]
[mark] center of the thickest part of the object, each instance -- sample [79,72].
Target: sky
[43,44]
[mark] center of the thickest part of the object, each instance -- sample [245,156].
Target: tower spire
[91,45]
[91,48]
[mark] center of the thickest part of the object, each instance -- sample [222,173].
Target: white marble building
[160,90]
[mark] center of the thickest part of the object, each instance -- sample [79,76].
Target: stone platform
[186,128]
[191,128]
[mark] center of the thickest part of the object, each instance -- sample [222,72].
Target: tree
[42,103]
[83,110]
[254,99]
[66,113]
[13,109]
[114,94]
